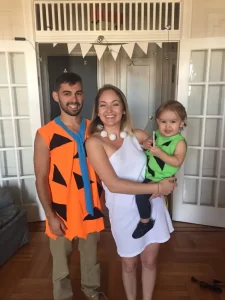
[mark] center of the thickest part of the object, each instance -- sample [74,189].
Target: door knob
[151,118]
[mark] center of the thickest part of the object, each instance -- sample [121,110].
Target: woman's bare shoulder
[94,141]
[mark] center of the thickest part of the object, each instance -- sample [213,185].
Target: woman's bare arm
[102,166]
[141,135]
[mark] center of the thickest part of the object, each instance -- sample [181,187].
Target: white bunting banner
[143,46]
[114,49]
[85,48]
[99,49]
[54,44]
[70,47]
[129,48]
[159,44]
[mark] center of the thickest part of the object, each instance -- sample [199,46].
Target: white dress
[129,162]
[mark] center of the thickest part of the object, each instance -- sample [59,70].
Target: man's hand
[56,225]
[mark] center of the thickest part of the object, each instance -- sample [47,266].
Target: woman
[114,150]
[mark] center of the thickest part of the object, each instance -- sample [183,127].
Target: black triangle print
[58,140]
[160,162]
[97,215]
[60,209]
[76,155]
[167,143]
[79,181]
[150,171]
[100,188]
[57,177]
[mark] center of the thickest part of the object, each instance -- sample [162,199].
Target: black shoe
[142,229]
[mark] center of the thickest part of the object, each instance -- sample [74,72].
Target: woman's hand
[166,186]
[156,195]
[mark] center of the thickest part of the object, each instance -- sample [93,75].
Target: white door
[139,84]
[200,195]
[19,120]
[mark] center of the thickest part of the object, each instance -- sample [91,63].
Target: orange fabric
[66,188]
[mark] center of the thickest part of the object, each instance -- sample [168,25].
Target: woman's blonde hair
[96,124]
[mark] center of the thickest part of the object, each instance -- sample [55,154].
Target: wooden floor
[192,251]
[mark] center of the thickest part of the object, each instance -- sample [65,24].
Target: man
[69,190]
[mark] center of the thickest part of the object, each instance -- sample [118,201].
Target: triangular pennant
[159,44]
[70,47]
[143,46]
[100,49]
[85,48]
[115,49]
[54,44]
[129,48]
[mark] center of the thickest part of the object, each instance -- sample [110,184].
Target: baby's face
[169,123]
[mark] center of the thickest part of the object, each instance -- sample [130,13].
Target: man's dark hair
[68,77]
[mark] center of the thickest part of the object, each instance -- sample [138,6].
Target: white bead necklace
[113,136]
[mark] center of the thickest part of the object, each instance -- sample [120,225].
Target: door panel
[139,84]
[199,197]
[19,120]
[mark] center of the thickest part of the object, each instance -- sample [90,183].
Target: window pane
[208,193]
[213,132]
[215,100]
[20,101]
[6,134]
[3,72]
[191,164]
[5,110]
[195,100]
[210,163]
[8,163]
[23,133]
[194,132]
[26,162]
[217,65]
[198,66]
[18,71]
[221,201]
[190,191]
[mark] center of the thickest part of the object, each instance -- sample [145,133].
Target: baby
[164,157]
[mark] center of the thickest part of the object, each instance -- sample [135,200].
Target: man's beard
[67,110]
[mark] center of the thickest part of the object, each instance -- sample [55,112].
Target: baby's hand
[156,151]
[147,143]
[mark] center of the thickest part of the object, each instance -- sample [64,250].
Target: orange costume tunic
[67,181]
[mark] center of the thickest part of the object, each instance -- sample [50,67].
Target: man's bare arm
[41,169]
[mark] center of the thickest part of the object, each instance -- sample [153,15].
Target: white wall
[208,18]
[11,19]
